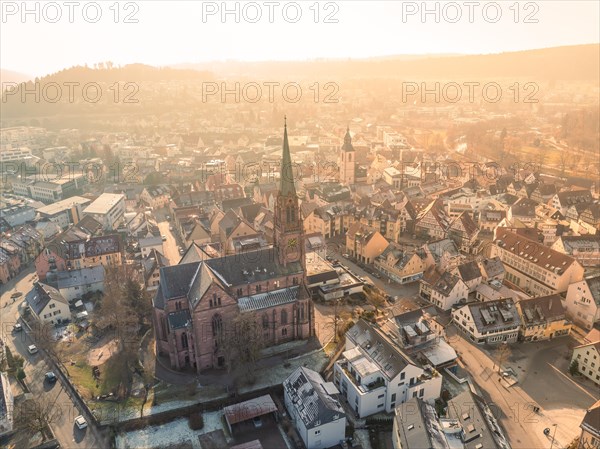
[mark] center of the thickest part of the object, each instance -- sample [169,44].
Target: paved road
[561,400]
[35,368]
[391,288]
[170,246]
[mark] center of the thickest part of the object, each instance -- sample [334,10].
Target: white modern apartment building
[108,209]
[66,212]
[490,322]
[374,375]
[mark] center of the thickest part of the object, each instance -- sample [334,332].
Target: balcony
[362,388]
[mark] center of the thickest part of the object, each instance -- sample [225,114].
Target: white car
[80,422]
[164,238]
[32,349]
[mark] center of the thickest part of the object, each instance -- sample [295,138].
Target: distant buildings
[314,409]
[347,161]
[50,189]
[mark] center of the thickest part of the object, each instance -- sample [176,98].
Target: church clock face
[292,243]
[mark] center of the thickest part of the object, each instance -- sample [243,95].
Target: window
[258,288]
[52,306]
[380,396]
[402,376]
[217,325]
[219,301]
[393,397]
[284,331]
[284,317]
[265,321]
[421,392]
[184,340]
[317,432]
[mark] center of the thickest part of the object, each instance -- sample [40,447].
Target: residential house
[582,302]
[470,274]
[432,220]
[442,288]
[590,428]
[68,252]
[156,197]
[152,264]
[149,244]
[73,284]
[587,357]
[543,318]
[533,267]
[584,248]
[47,304]
[491,322]
[492,269]
[314,409]
[442,253]
[563,200]
[365,244]
[374,375]
[401,266]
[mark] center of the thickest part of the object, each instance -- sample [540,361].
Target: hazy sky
[175,32]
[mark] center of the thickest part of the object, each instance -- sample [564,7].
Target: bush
[196,421]
[574,368]
[349,430]
[20,374]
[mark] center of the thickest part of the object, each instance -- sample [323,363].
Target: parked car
[32,349]
[377,275]
[80,422]
[168,218]
[16,295]
[50,377]
[164,238]
[181,251]
[18,327]
[171,228]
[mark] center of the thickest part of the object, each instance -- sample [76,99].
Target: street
[36,366]
[384,284]
[170,246]
[542,382]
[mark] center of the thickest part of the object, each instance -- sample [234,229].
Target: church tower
[288,232]
[347,160]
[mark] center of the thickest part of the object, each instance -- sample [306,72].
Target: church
[197,301]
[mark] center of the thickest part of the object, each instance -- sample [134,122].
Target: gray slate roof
[41,294]
[309,396]
[268,299]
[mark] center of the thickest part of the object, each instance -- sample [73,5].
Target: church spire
[347,141]
[286,187]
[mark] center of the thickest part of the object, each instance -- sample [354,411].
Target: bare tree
[45,339]
[242,342]
[35,414]
[502,354]
[115,311]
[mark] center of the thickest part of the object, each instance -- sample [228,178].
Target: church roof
[268,299]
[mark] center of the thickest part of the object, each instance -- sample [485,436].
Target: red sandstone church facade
[197,301]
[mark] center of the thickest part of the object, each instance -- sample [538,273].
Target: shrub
[21,374]
[196,421]
[574,368]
